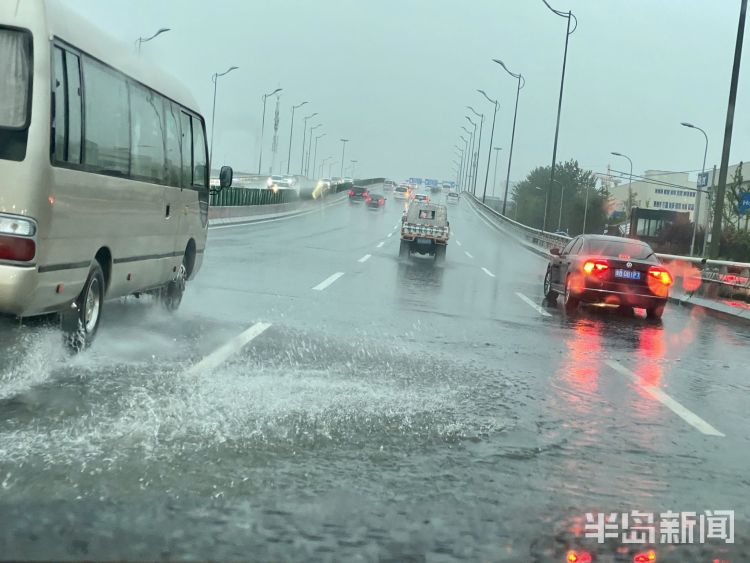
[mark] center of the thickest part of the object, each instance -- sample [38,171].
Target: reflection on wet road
[392,410]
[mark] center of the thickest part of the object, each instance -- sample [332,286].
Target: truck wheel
[81,322]
[403,250]
[440,254]
[171,294]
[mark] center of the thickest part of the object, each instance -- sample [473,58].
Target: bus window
[58,124]
[173,143]
[187,150]
[107,148]
[200,176]
[73,91]
[147,135]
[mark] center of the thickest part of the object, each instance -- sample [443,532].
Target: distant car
[357,194]
[452,197]
[388,185]
[401,192]
[420,198]
[374,201]
[435,189]
[277,183]
[607,270]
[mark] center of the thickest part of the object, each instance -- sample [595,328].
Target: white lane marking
[458,242]
[380,244]
[365,258]
[224,352]
[468,254]
[688,416]
[328,281]
[390,235]
[533,305]
[486,271]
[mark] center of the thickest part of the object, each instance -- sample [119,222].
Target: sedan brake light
[595,266]
[645,557]
[381,201]
[661,274]
[351,193]
[578,557]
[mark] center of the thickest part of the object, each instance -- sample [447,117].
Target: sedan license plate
[627,274]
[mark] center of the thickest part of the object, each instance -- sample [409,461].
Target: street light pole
[724,169]
[585,210]
[330,168]
[473,156]
[304,133]
[469,158]
[630,181]
[546,200]
[263,126]
[465,158]
[492,137]
[215,78]
[494,176]
[562,197]
[479,144]
[291,136]
[141,40]
[521,84]
[343,150]
[461,163]
[315,157]
[309,148]
[569,15]
[698,194]
[354,166]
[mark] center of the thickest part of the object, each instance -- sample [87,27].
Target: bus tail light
[17,249]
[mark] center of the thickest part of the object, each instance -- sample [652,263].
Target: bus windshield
[15,68]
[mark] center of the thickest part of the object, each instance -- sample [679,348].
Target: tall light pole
[322,164]
[461,152]
[304,133]
[343,150]
[330,167]
[521,84]
[698,194]
[473,154]
[479,144]
[570,17]
[562,196]
[469,157]
[494,176]
[492,138]
[466,157]
[729,125]
[215,78]
[630,181]
[291,135]
[263,126]
[309,148]
[546,200]
[315,156]
[141,40]
[354,165]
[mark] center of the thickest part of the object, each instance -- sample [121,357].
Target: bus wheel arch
[104,258]
[188,259]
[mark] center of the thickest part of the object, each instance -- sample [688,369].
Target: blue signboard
[417,181]
[703,179]
[744,204]
[429,182]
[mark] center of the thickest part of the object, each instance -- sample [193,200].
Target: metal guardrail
[712,279]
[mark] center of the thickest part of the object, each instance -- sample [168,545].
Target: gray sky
[394,76]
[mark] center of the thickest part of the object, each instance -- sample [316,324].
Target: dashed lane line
[224,352]
[684,413]
[365,258]
[486,271]
[328,281]
[533,305]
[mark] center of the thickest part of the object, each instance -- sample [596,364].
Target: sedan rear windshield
[401,189]
[625,249]
[15,85]
[376,196]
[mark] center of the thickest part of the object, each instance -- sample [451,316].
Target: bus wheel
[171,294]
[81,321]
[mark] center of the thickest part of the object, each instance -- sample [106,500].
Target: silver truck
[425,230]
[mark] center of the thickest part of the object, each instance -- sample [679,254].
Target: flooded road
[402,412]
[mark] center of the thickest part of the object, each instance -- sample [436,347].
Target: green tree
[731,213]
[529,197]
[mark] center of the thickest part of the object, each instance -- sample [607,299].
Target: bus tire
[171,294]
[81,322]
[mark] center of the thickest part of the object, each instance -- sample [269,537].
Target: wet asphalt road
[391,411]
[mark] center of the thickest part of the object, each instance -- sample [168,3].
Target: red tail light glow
[381,201]
[645,557]
[595,267]
[661,274]
[578,557]
[351,193]
[17,249]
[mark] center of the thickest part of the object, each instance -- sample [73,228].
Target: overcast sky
[395,76]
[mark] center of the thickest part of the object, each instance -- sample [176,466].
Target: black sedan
[607,270]
[374,201]
[357,194]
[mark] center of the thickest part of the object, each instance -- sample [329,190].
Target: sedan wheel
[570,301]
[655,313]
[549,294]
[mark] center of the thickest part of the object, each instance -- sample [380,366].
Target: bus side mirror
[226,174]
